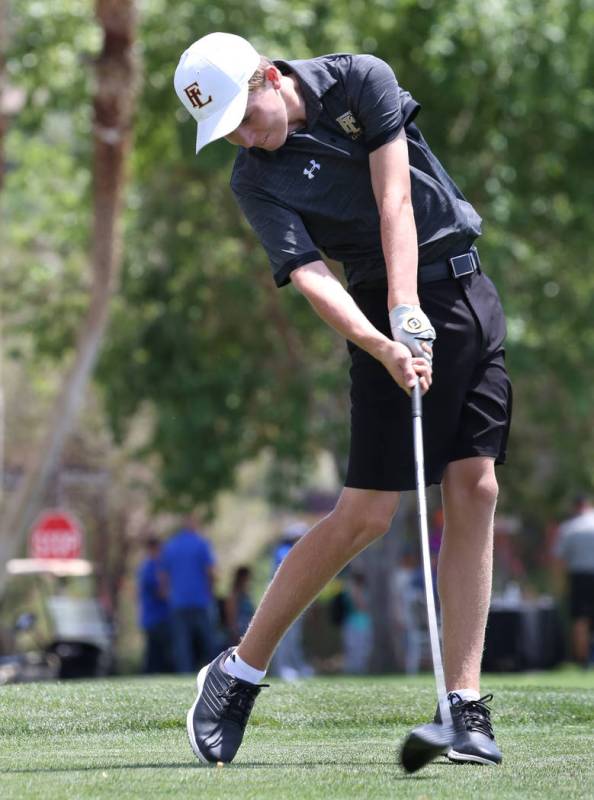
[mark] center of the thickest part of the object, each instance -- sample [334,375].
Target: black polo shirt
[314,193]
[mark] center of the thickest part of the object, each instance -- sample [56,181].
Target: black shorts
[581,595]
[467,410]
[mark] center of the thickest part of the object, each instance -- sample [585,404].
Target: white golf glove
[411,326]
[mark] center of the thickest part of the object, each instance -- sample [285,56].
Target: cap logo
[194,96]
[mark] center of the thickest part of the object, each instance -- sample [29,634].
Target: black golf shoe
[216,722]
[474,741]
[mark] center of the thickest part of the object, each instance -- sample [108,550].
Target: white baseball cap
[211,80]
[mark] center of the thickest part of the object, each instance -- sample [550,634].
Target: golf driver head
[425,743]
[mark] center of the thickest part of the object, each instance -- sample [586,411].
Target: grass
[327,738]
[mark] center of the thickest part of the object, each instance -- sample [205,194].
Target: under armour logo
[311,172]
[194,96]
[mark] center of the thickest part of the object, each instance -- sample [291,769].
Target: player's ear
[273,75]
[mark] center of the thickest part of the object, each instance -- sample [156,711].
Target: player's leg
[469,492]
[360,517]
[218,717]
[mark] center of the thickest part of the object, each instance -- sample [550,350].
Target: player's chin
[274,140]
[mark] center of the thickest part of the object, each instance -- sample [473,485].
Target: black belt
[455,267]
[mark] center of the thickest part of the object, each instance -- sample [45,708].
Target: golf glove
[411,326]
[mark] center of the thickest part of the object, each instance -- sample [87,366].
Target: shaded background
[204,386]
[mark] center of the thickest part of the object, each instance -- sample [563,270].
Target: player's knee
[479,488]
[487,490]
[376,525]
[369,526]
[360,519]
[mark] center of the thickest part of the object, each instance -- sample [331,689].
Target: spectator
[239,608]
[188,566]
[357,629]
[289,661]
[153,611]
[575,551]
[409,615]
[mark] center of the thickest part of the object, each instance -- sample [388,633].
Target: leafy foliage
[230,366]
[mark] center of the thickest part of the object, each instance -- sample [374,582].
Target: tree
[3,115]
[229,365]
[3,123]
[193,323]
[507,107]
[116,84]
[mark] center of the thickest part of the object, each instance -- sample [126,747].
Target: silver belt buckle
[468,259]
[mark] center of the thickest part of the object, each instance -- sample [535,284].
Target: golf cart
[51,623]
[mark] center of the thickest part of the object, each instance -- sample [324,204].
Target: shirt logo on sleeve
[349,124]
[311,172]
[195,96]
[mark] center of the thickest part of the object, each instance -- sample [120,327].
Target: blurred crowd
[186,621]
[183,622]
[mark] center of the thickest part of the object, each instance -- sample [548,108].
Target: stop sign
[56,534]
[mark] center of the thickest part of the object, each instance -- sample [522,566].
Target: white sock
[465,695]
[237,667]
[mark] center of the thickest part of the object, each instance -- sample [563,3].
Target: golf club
[426,742]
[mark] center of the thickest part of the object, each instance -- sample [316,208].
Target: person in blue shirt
[187,563]
[153,611]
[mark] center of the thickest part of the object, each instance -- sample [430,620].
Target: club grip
[417,402]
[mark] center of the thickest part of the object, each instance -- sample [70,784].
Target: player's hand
[411,326]
[405,368]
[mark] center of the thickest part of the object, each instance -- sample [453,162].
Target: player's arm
[390,179]
[338,309]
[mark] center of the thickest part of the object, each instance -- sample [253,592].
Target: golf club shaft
[417,414]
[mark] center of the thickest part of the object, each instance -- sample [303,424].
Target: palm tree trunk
[3,116]
[114,101]
[3,124]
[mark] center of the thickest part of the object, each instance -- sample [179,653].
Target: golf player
[331,160]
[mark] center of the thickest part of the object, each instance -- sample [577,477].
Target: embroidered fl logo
[349,124]
[195,96]
[311,172]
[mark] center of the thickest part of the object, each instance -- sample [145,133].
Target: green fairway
[325,738]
